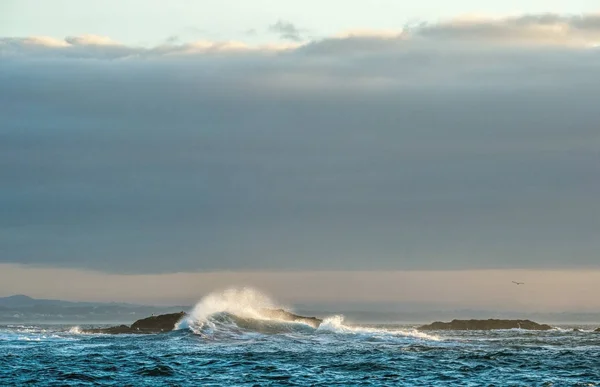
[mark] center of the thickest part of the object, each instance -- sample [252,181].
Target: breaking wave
[238,313]
[336,324]
[244,303]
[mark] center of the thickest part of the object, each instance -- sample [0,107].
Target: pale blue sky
[149,22]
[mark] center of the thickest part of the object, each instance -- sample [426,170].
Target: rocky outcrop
[167,322]
[112,330]
[484,325]
[281,314]
[160,323]
[597,330]
[152,324]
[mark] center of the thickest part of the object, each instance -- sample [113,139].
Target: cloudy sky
[266,139]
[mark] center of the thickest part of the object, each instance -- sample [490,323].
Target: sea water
[225,342]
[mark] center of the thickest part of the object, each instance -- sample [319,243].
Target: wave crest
[243,303]
[237,312]
[336,324]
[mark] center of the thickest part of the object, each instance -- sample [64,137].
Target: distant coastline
[25,309]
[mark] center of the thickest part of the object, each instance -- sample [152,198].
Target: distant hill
[22,308]
[23,301]
[16,300]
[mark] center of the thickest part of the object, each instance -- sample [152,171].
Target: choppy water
[228,349]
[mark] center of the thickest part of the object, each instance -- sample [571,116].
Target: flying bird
[518,283]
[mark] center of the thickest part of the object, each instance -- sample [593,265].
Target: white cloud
[40,41]
[90,40]
[463,33]
[97,47]
[370,33]
[546,29]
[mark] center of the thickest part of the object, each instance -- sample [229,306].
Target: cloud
[460,34]
[94,47]
[90,40]
[362,151]
[286,31]
[546,29]
[173,39]
[85,46]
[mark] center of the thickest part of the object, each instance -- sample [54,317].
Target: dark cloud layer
[356,152]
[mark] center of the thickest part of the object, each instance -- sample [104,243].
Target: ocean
[222,343]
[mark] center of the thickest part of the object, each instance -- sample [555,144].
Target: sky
[151,22]
[204,138]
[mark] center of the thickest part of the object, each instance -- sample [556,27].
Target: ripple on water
[302,357]
[158,370]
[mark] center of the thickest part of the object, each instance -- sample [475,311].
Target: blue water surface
[226,352]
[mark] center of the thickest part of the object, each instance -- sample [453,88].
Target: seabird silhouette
[518,283]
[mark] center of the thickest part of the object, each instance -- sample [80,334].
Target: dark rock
[484,325]
[281,314]
[112,330]
[157,324]
[597,330]
[153,324]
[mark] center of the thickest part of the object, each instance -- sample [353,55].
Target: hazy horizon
[544,291]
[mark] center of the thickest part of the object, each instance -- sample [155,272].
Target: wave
[244,303]
[240,312]
[235,312]
[30,333]
[336,324]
